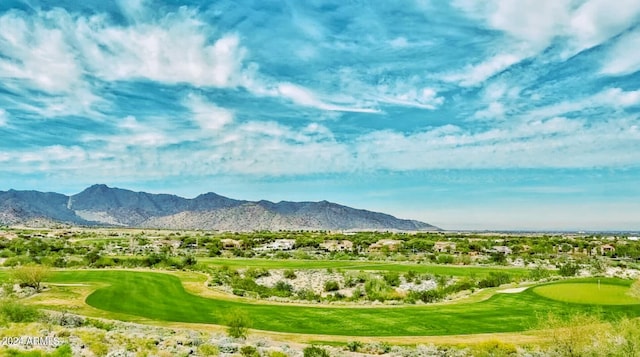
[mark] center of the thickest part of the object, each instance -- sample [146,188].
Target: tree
[31,275]
[238,323]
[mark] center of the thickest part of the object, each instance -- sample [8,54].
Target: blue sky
[469,115]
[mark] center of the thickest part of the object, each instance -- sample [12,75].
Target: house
[501,249]
[228,243]
[443,247]
[337,246]
[389,244]
[278,244]
[607,248]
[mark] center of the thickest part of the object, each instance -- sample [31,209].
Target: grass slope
[161,296]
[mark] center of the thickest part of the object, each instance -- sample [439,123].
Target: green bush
[568,269]
[278,354]
[445,259]
[377,289]
[392,278]
[61,351]
[238,323]
[307,294]
[538,273]
[494,279]
[282,289]
[354,346]
[208,350]
[249,351]
[315,351]
[14,311]
[331,285]
[289,274]
[256,273]
[107,326]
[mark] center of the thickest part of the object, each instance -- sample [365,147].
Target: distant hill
[100,205]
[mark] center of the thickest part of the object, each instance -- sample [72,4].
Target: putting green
[590,292]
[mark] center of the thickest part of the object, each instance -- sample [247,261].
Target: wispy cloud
[622,58]
[3,117]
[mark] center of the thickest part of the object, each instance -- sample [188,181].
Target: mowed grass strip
[588,291]
[161,296]
[452,270]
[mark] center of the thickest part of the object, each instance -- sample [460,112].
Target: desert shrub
[103,325]
[14,311]
[426,296]
[208,350]
[238,323]
[278,354]
[307,294]
[60,351]
[539,273]
[354,346]
[289,274]
[17,260]
[103,262]
[494,279]
[350,281]
[256,273]
[331,285]
[283,289]
[445,259]
[315,351]
[392,278]
[568,269]
[357,293]
[410,275]
[249,351]
[377,289]
[494,348]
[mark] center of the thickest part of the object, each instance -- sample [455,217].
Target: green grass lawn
[588,291]
[454,270]
[162,297]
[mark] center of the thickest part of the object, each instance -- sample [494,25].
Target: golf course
[162,297]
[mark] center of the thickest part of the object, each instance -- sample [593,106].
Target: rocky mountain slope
[103,205]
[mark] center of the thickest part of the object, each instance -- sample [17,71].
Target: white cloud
[622,58]
[475,74]
[531,26]
[208,115]
[599,20]
[303,96]
[3,117]
[399,42]
[175,49]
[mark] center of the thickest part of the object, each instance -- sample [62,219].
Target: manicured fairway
[361,265]
[607,292]
[161,296]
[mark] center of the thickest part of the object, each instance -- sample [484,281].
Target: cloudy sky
[470,115]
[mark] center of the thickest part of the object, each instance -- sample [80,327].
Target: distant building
[444,247]
[606,248]
[228,243]
[337,246]
[501,249]
[390,244]
[278,244]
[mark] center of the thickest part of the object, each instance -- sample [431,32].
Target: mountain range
[100,205]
